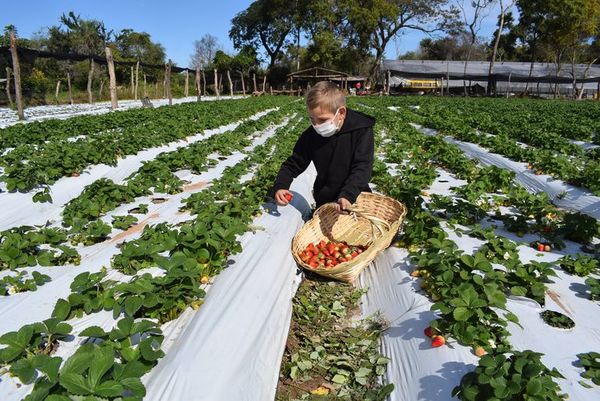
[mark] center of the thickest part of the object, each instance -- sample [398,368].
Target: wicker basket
[374,221]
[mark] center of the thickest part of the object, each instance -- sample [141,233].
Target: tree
[504,7]
[473,18]
[451,47]
[265,23]
[377,22]
[134,46]
[204,51]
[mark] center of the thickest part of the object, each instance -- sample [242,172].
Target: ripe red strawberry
[289,197]
[437,341]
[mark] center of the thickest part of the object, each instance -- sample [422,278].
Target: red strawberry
[429,332]
[437,341]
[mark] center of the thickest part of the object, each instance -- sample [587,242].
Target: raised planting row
[468,291]
[30,166]
[548,153]
[110,366]
[28,246]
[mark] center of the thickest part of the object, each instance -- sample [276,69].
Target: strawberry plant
[91,233]
[556,319]
[514,376]
[590,362]
[580,228]
[123,222]
[10,285]
[594,285]
[109,370]
[580,265]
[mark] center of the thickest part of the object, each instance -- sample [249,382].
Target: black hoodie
[344,161]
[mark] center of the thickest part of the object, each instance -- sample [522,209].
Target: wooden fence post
[230,83]
[69,87]
[198,87]
[168,81]
[186,91]
[17,75]
[8,94]
[57,91]
[113,80]
[137,78]
[254,80]
[216,83]
[89,82]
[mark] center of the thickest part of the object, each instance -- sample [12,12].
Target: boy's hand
[342,205]
[283,197]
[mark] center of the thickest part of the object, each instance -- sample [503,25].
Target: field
[139,259]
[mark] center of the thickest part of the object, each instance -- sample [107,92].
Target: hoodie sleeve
[294,165]
[361,167]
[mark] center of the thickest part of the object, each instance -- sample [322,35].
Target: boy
[339,142]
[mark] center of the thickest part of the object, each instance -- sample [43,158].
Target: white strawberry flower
[506,256]
[12,290]
[492,343]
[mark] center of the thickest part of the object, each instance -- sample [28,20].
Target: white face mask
[328,128]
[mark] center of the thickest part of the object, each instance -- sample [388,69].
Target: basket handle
[377,225]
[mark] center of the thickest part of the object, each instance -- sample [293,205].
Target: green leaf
[132,305]
[75,384]
[534,387]
[24,370]
[339,379]
[104,359]
[48,365]
[94,331]
[109,388]
[363,372]
[135,385]
[461,314]
[62,309]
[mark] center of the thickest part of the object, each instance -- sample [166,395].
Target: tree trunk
[230,83]
[69,87]
[17,74]
[145,92]
[112,79]
[254,81]
[203,83]
[243,84]
[216,83]
[8,94]
[264,83]
[89,82]
[374,70]
[137,78]
[57,91]
[496,43]
[101,89]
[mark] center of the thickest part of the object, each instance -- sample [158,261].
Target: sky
[175,25]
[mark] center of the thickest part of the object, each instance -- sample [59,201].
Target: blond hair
[327,95]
